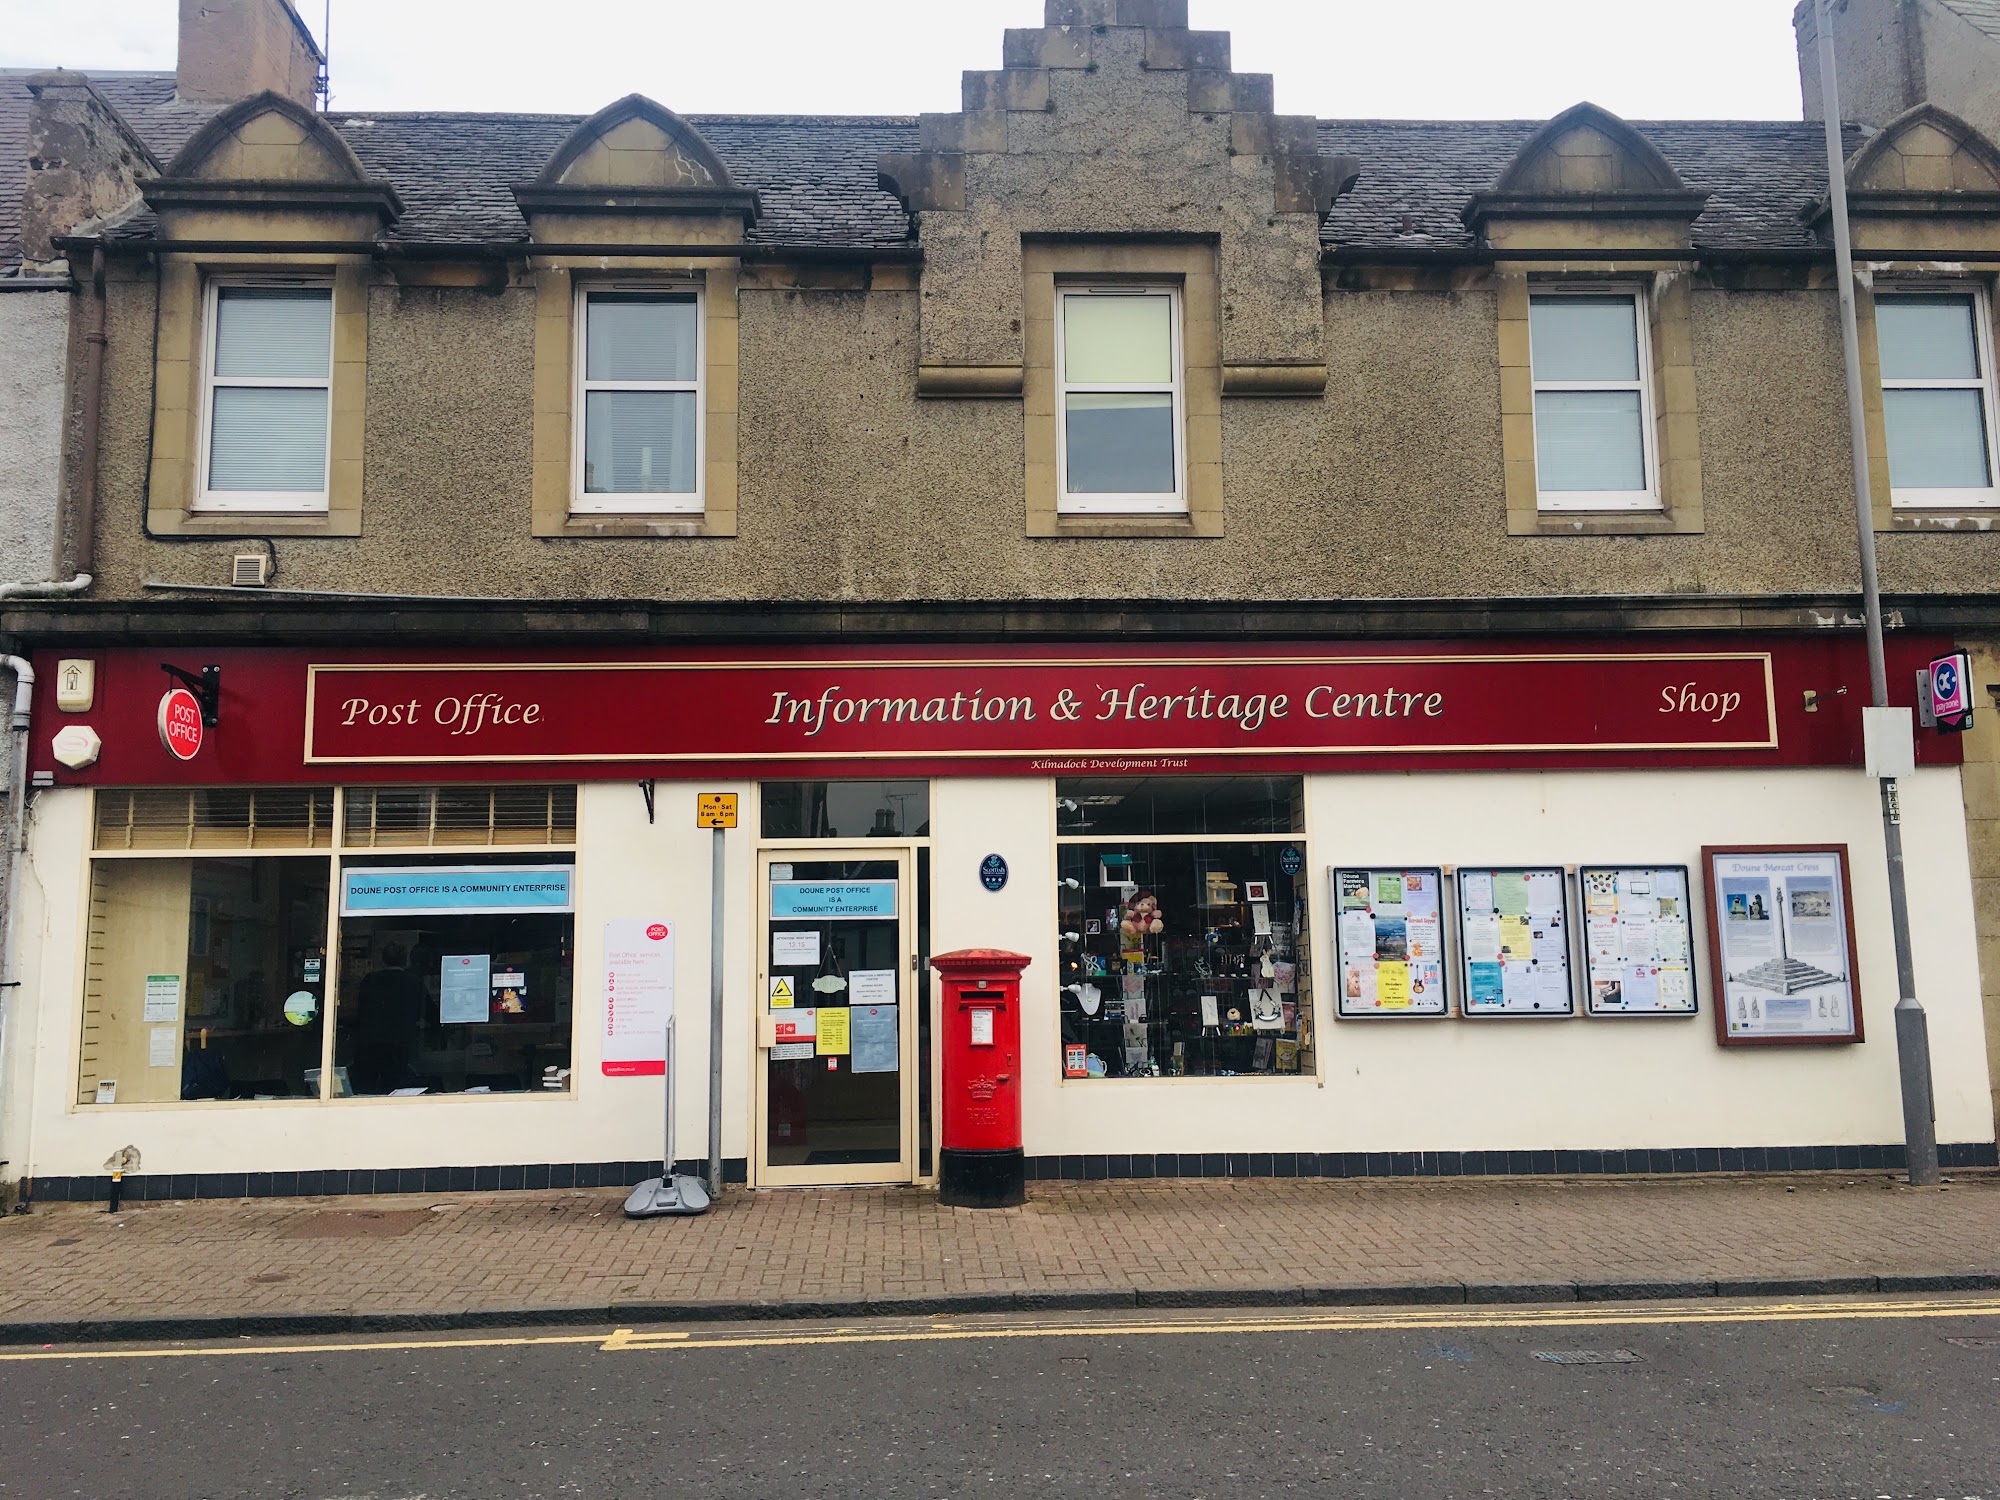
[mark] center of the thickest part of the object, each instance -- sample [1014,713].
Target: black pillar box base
[982,1179]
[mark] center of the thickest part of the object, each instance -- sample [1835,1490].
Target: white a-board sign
[1513,940]
[1638,940]
[1781,942]
[638,997]
[1389,925]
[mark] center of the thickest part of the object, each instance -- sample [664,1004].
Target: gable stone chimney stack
[230,49]
[1896,54]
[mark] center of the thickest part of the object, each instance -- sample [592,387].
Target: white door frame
[909,994]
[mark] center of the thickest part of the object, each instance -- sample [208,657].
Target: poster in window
[1513,940]
[1638,941]
[1389,935]
[1781,924]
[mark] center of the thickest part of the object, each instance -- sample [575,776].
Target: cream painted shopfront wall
[625,868]
[1404,1086]
[1516,1084]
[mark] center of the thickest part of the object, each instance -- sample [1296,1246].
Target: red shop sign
[1042,710]
[520,714]
[180,723]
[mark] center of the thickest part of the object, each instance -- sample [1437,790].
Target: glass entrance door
[837,1023]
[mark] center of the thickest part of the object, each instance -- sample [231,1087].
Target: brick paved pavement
[462,1255]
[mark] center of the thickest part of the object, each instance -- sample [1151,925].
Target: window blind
[434,817]
[270,390]
[279,817]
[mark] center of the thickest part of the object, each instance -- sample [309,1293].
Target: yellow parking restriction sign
[715,810]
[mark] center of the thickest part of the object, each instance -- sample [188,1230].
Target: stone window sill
[592,527]
[246,523]
[1942,520]
[1119,527]
[1602,523]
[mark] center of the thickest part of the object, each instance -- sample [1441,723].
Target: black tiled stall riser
[536,1176]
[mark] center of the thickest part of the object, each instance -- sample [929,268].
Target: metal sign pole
[1913,1050]
[715,1019]
[667,1149]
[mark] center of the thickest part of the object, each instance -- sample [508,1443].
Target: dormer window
[639,361]
[1593,408]
[267,397]
[1937,396]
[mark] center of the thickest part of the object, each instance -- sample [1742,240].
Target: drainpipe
[81,531]
[74,585]
[14,827]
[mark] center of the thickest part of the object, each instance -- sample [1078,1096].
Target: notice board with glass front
[1513,944]
[1389,925]
[1638,939]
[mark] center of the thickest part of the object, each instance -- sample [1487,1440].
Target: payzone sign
[1951,691]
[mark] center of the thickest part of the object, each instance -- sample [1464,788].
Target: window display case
[1184,956]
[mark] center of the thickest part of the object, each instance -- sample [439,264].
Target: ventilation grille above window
[278,817]
[457,817]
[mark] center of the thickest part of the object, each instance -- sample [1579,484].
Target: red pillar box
[980,1164]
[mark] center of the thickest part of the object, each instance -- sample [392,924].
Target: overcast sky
[1440,59]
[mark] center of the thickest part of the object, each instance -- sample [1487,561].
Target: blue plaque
[1290,860]
[993,872]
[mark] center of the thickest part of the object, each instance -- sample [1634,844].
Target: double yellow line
[1111,1325]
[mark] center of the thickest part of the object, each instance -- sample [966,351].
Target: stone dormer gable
[1586,164]
[1926,159]
[1926,182]
[265,159]
[634,157]
[1115,123]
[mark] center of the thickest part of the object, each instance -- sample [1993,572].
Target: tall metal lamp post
[1913,1047]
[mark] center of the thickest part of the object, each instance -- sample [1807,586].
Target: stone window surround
[1191,268]
[1885,277]
[1676,432]
[180,390]
[555,394]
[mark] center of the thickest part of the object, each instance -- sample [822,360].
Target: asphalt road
[1399,1404]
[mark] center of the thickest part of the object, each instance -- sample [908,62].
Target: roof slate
[1416,176]
[817,184]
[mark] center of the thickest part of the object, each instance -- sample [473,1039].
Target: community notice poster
[1781,922]
[1638,940]
[638,997]
[1513,940]
[1389,925]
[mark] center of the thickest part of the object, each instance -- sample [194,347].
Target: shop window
[639,444]
[1937,397]
[267,398]
[454,979]
[280,817]
[845,809]
[204,979]
[1102,805]
[1119,362]
[469,816]
[1593,408]
[1183,956]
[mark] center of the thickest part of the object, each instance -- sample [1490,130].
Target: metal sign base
[667,1197]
